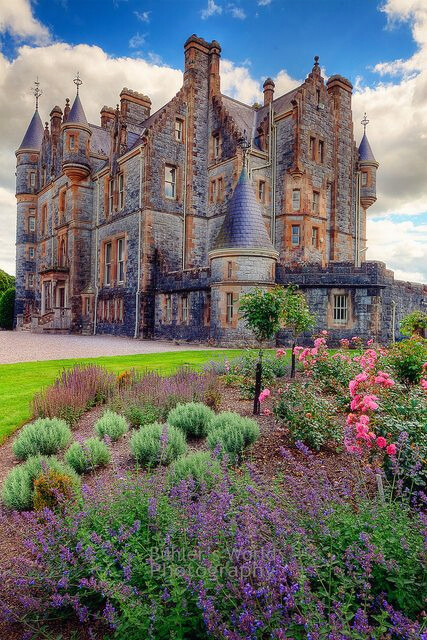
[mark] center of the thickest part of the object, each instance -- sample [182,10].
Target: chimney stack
[268,87]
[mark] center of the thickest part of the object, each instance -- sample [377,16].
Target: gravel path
[23,346]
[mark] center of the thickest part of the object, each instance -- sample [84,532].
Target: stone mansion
[153,224]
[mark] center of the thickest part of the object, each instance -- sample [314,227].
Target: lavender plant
[157,444]
[44,436]
[192,418]
[87,456]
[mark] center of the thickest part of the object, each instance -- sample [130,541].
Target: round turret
[368,168]
[76,135]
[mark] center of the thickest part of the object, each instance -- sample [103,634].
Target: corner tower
[367,181]
[242,257]
[27,184]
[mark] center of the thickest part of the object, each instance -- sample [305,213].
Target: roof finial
[78,81]
[245,146]
[37,92]
[365,122]
[316,61]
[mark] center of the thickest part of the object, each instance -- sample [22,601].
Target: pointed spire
[77,113]
[365,151]
[34,135]
[243,226]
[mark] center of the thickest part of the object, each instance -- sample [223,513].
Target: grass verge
[19,382]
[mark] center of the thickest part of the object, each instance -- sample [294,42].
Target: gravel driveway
[23,346]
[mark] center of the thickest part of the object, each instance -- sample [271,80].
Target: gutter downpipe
[357,260]
[184,191]
[95,306]
[393,321]
[138,288]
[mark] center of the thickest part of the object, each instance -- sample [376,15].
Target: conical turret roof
[77,113]
[365,151]
[34,135]
[243,226]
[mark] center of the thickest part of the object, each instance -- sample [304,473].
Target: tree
[414,323]
[263,312]
[6,281]
[297,317]
[7,302]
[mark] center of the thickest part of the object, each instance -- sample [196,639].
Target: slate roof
[243,115]
[100,140]
[77,113]
[365,151]
[243,226]
[34,135]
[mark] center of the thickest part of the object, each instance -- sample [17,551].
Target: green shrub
[198,466]
[157,444]
[44,436]
[51,489]
[7,303]
[112,425]
[406,360]
[87,456]
[308,416]
[414,323]
[18,487]
[232,433]
[140,416]
[192,418]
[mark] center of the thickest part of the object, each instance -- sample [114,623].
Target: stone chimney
[268,87]
[134,106]
[107,116]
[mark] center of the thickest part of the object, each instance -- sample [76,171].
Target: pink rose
[391,449]
[381,442]
[281,352]
[266,412]
[263,395]
[424,384]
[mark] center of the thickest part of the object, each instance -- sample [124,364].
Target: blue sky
[348,35]
[381,46]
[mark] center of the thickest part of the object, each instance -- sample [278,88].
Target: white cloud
[143,16]
[212,9]
[237,82]
[284,83]
[401,245]
[264,3]
[137,40]
[17,19]
[236,12]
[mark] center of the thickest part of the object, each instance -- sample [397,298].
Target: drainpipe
[184,191]
[357,259]
[138,288]
[393,321]
[95,306]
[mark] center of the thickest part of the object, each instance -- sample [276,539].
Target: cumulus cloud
[236,12]
[143,16]
[17,19]
[137,40]
[212,9]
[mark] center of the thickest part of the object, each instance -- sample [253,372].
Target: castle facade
[154,224]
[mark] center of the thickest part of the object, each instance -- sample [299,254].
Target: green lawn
[19,382]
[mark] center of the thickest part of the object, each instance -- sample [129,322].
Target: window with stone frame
[108,251]
[315,237]
[179,129]
[216,145]
[87,306]
[62,251]
[168,309]
[170,181]
[31,222]
[44,220]
[32,179]
[220,190]
[321,151]
[340,309]
[31,253]
[295,235]
[229,269]
[364,178]
[312,148]
[121,190]
[315,202]
[111,195]
[62,205]
[229,308]
[72,142]
[120,260]
[213,191]
[184,308]
[296,199]
[261,191]
[30,280]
